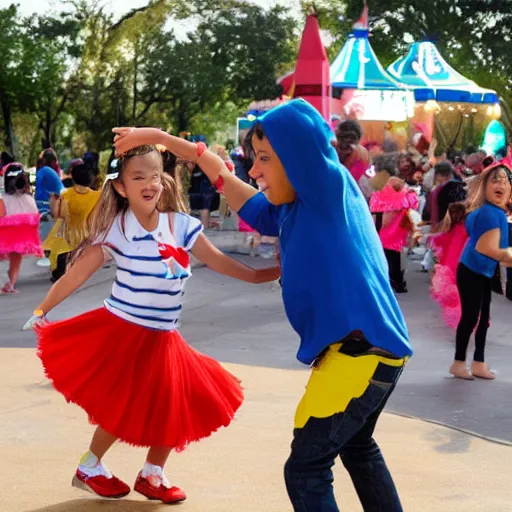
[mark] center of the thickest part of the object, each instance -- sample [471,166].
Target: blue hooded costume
[334,271]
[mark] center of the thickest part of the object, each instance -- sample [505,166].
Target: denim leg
[308,471]
[363,460]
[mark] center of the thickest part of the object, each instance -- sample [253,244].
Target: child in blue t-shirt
[487,247]
[336,293]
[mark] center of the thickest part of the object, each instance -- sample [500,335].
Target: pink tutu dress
[19,228]
[448,248]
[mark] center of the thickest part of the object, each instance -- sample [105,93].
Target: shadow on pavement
[86,505]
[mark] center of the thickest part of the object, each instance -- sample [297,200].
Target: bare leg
[101,442]
[14,267]
[158,455]
[205,218]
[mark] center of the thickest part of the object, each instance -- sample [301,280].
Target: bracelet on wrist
[201,148]
[219,184]
[39,313]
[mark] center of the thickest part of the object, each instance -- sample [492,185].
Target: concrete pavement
[240,468]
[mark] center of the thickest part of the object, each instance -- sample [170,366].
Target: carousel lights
[494,110]
[432,105]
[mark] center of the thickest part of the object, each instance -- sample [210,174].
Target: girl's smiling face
[141,181]
[498,189]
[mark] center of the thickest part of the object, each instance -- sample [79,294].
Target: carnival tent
[357,66]
[432,78]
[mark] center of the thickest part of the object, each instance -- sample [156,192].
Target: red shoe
[101,485]
[165,494]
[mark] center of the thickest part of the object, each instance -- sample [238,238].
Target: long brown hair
[455,215]
[111,204]
[477,196]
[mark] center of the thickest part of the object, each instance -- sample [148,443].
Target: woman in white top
[126,364]
[19,224]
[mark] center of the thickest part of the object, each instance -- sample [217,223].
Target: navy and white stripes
[143,292]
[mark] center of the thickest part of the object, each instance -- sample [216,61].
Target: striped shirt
[143,293]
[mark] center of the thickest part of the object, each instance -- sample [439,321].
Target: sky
[117,6]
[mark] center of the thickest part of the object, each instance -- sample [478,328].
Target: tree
[11,44]
[235,54]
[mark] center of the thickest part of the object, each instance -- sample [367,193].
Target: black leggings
[396,274]
[475,299]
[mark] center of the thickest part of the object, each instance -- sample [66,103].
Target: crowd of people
[455,210]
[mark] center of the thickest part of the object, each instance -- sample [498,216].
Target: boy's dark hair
[18,181]
[81,175]
[444,169]
[350,126]
[256,129]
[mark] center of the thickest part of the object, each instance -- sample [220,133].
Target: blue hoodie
[334,271]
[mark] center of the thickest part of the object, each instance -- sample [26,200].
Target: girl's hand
[130,138]
[33,321]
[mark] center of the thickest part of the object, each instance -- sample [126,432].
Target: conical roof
[357,66]
[425,70]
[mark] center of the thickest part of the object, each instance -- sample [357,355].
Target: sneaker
[101,485]
[155,487]
[43,262]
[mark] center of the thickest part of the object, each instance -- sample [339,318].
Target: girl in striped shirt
[126,364]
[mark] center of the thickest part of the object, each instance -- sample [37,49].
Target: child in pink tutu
[126,364]
[19,223]
[390,208]
[448,245]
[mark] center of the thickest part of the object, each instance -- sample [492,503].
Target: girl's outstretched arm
[219,262]
[237,192]
[92,259]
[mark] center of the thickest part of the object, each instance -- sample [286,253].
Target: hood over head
[302,140]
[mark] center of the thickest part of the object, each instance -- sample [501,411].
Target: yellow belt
[336,380]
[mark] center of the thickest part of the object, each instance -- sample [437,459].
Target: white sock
[91,466]
[155,474]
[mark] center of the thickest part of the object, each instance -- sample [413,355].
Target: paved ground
[239,469]
[242,323]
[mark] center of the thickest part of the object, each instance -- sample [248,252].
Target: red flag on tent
[362,22]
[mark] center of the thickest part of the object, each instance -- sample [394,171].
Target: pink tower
[312,76]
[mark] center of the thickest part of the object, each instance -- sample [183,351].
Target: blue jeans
[349,434]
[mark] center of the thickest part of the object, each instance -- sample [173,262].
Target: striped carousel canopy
[432,78]
[357,66]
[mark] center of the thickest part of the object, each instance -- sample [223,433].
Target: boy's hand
[130,138]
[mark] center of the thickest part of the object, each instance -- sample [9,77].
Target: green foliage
[69,77]
[473,35]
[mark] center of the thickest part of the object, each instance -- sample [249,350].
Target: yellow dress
[69,231]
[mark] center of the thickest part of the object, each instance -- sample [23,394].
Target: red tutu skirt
[146,387]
